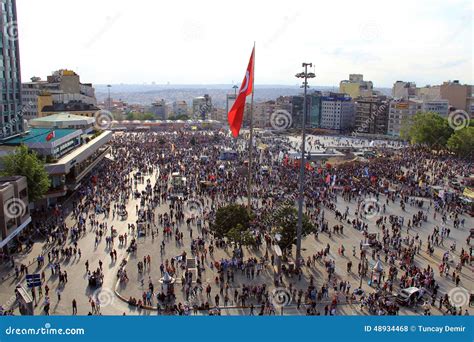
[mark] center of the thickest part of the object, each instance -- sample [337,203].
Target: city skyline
[112,47]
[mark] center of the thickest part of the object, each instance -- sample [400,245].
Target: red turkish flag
[236,114]
[50,136]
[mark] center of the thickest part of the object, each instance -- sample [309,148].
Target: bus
[178,185]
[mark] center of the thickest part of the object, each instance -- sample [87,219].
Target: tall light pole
[109,103]
[235,90]
[304,75]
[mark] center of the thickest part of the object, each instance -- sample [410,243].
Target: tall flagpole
[249,190]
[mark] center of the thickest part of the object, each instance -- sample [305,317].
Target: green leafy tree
[130,116]
[428,129]
[462,141]
[183,117]
[241,236]
[233,216]
[27,163]
[284,221]
[148,116]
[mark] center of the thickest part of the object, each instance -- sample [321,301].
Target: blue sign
[33,280]
[237,329]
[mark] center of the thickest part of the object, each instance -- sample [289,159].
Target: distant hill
[145,94]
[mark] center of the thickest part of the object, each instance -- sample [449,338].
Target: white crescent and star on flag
[247,79]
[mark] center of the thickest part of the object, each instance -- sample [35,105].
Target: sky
[210,41]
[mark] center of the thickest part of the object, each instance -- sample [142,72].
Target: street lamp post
[235,90]
[362,270]
[109,104]
[304,75]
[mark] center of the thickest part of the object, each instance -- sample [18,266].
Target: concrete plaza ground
[77,286]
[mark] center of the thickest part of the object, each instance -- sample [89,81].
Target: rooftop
[70,107]
[38,135]
[62,117]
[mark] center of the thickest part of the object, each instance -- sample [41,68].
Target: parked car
[409,296]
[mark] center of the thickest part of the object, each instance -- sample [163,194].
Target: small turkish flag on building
[236,113]
[50,136]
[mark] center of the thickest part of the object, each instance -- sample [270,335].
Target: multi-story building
[436,106]
[14,210]
[229,102]
[355,86]
[180,108]
[202,107]
[297,108]
[428,93]
[460,96]
[262,112]
[160,110]
[46,106]
[337,112]
[438,98]
[371,115]
[30,101]
[400,113]
[315,109]
[219,114]
[70,155]
[64,120]
[313,113]
[11,118]
[403,90]
[63,86]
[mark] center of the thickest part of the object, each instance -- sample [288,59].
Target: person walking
[74,307]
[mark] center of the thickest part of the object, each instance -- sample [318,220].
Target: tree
[427,128]
[232,216]
[27,163]
[241,236]
[148,116]
[130,116]
[284,221]
[462,141]
[182,117]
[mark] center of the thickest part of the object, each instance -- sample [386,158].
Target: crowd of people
[137,177]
